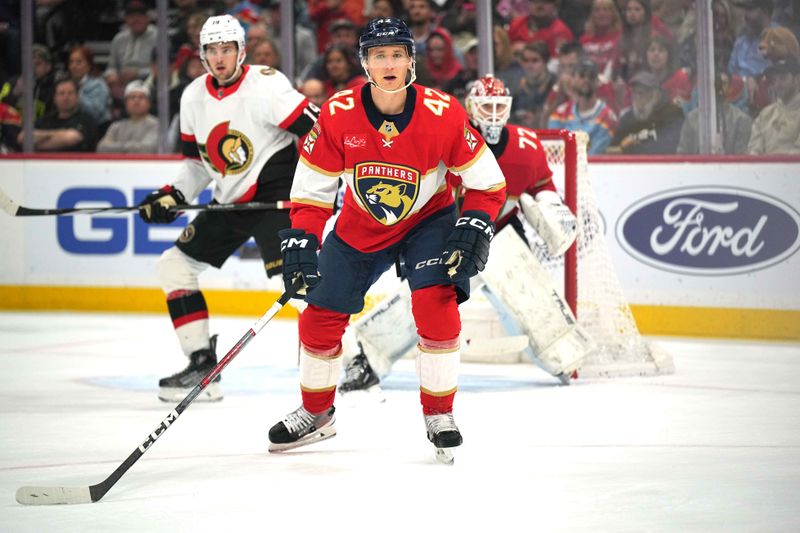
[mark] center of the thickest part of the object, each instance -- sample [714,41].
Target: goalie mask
[222,29]
[387,31]
[489,107]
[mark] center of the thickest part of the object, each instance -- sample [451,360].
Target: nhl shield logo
[387,191]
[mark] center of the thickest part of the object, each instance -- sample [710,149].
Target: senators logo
[387,191]
[227,151]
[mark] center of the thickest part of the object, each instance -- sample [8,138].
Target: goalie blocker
[525,298]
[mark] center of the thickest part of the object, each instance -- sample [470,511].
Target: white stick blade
[7,204]
[53,495]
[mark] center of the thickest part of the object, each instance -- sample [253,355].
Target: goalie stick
[37,495]
[15,210]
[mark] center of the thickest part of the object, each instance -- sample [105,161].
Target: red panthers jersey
[395,166]
[524,164]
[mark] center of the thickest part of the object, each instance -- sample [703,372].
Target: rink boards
[704,247]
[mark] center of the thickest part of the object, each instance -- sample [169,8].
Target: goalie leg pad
[387,332]
[521,289]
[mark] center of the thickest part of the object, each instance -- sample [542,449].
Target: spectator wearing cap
[587,112]
[733,123]
[541,24]
[139,132]
[68,128]
[324,13]
[776,129]
[344,34]
[44,83]
[94,94]
[652,125]
[131,49]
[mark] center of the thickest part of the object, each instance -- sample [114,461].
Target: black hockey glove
[155,206]
[299,251]
[467,249]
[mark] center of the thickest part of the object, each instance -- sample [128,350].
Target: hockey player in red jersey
[392,142]
[239,130]
[523,161]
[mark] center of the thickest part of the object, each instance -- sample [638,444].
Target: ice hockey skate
[177,386]
[360,380]
[300,428]
[444,434]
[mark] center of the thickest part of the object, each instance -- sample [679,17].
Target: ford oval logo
[710,230]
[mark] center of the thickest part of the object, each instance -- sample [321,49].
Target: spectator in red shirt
[601,39]
[639,25]
[541,24]
[663,62]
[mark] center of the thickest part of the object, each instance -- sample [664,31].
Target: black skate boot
[300,428]
[359,376]
[444,434]
[177,386]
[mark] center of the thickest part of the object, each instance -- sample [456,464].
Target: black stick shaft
[247,206]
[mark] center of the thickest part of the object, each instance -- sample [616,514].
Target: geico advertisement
[703,231]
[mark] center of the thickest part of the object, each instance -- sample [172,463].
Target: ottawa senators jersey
[230,133]
[395,166]
[523,160]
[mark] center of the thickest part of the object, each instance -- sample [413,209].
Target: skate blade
[212,393]
[445,456]
[319,435]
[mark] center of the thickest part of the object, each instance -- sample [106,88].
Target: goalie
[532,308]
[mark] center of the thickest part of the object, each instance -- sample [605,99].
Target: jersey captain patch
[227,151]
[387,191]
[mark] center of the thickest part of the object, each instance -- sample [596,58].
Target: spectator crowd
[624,71]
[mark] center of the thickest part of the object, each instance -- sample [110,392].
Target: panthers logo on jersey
[227,151]
[387,191]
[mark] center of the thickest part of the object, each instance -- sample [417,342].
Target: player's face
[222,59]
[388,66]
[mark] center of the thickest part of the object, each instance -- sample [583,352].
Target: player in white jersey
[239,130]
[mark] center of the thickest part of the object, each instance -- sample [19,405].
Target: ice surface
[715,447]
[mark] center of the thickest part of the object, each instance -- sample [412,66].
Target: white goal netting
[601,306]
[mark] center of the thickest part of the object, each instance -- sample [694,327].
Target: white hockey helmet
[489,106]
[222,29]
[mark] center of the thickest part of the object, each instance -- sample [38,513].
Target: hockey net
[591,286]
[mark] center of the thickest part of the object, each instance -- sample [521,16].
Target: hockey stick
[15,210]
[35,495]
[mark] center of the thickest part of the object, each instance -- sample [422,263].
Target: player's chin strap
[403,88]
